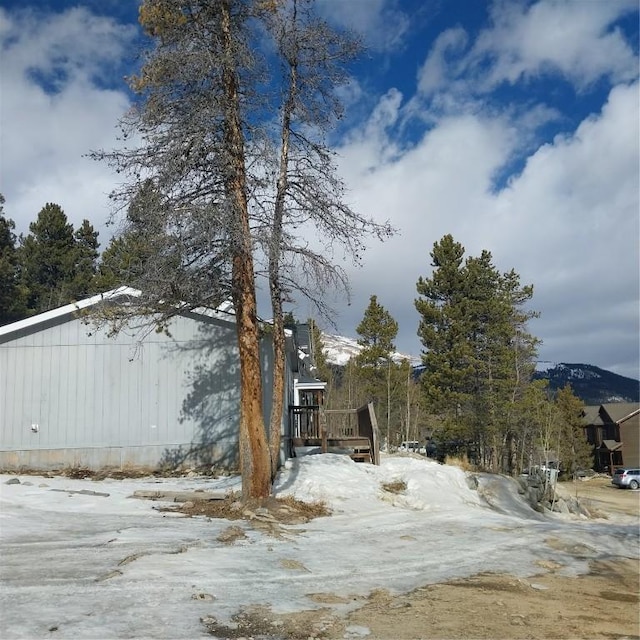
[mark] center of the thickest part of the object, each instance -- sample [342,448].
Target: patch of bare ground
[270,511]
[601,498]
[601,605]
[260,622]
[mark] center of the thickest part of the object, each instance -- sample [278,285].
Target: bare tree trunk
[277,403]
[254,453]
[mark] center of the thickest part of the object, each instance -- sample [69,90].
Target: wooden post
[323,430]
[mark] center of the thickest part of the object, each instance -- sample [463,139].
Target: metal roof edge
[224,312]
[67,309]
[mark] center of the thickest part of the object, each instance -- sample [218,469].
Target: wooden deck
[353,432]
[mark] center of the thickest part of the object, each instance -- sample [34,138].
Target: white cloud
[54,111]
[380,22]
[573,38]
[568,224]
[435,73]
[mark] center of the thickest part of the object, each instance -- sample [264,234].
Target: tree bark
[253,449]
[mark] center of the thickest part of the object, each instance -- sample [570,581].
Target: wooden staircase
[358,449]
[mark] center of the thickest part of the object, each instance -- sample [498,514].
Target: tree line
[474,395]
[55,264]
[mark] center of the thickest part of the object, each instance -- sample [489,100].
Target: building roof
[620,411]
[67,312]
[611,445]
[307,382]
[592,415]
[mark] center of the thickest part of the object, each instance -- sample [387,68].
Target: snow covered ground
[84,565]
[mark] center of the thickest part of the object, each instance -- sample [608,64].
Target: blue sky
[511,125]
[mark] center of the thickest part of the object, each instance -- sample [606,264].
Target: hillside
[590,383]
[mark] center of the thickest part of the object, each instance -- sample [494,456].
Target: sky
[512,125]
[101,564]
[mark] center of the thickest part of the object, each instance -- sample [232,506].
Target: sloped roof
[63,314]
[611,445]
[592,415]
[620,411]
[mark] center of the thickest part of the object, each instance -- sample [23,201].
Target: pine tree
[12,306]
[376,368]
[85,266]
[47,260]
[223,190]
[574,450]
[478,354]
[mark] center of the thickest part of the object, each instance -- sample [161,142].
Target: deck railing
[313,422]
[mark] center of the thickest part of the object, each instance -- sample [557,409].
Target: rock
[561,506]
[231,534]
[13,481]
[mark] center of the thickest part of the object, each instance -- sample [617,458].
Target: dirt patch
[601,605]
[601,498]
[277,511]
[260,622]
[398,486]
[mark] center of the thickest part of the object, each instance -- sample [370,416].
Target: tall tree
[573,448]
[377,332]
[11,294]
[85,267]
[201,179]
[307,190]
[478,353]
[47,260]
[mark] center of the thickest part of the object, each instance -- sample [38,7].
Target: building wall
[70,395]
[630,438]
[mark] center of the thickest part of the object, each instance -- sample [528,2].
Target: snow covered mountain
[590,383]
[339,350]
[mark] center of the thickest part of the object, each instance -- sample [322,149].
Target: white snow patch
[92,566]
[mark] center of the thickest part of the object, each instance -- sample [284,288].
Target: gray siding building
[72,394]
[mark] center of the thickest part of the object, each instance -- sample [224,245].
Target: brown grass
[397,486]
[460,461]
[286,510]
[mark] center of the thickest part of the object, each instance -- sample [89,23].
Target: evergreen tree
[377,331]
[85,262]
[121,263]
[47,260]
[574,450]
[322,368]
[232,188]
[57,264]
[478,354]
[376,368]
[11,294]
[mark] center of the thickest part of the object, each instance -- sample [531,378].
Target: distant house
[614,432]
[72,394]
